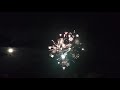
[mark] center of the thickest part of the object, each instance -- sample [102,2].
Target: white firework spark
[66,49]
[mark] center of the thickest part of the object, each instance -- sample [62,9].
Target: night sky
[31,33]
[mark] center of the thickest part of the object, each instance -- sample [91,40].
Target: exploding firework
[66,49]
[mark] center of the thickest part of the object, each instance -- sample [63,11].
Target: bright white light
[60,35]
[69,35]
[49,47]
[58,62]
[63,56]
[10,50]
[69,49]
[52,56]
[63,68]
[77,35]
[83,49]
[70,39]
[66,32]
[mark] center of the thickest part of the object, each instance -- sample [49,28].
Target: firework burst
[66,49]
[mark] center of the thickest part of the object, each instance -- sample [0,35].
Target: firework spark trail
[67,45]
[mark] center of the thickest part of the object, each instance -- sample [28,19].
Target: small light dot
[52,56]
[49,47]
[77,35]
[63,68]
[60,35]
[63,56]
[10,50]
[83,49]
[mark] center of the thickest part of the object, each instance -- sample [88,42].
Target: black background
[30,32]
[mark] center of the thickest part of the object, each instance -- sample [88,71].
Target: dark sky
[31,32]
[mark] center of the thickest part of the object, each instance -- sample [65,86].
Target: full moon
[10,50]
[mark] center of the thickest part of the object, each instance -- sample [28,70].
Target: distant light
[70,39]
[60,35]
[58,62]
[83,49]
[52,56]
[63,56]
[49,47]
[69,35]
[66,32]
[63,68]
[10,50]
[77,35]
